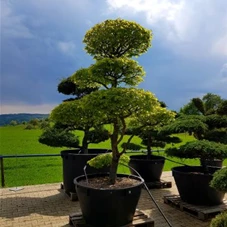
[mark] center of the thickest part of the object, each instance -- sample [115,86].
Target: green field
[15,140]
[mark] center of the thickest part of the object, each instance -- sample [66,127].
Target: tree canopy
[117,38]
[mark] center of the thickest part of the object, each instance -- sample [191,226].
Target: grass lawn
[14,140]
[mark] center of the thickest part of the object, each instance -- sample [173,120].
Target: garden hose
[160,210]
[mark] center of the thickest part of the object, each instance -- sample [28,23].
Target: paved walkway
[47,205]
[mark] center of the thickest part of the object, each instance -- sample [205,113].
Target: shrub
[220,220]
[219,180]
[59,138]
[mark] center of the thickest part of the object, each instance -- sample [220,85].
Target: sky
[41,43]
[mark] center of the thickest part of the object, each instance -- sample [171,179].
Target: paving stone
[47,206]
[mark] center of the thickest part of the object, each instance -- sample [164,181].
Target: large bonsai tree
[112,44]
[61,133]
[209,127]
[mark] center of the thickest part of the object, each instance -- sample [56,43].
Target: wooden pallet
[72,195]
[139,220]
[201,212]
[159,184]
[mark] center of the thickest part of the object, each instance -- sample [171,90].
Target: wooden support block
[72,195]
[159,184]
[201,212]
[139,220]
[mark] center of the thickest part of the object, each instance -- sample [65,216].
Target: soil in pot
[193,185]
[149,169]
[110,205]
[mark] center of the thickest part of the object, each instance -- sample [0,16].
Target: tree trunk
[149,147]
[85,142]
[115,153]
[113,170]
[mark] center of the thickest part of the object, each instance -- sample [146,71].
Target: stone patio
[48,205]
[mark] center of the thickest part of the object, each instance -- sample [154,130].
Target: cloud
[220,46]
[190,28]
[13,25]
[223,71]
[23,108]
[41,43]
[66,47]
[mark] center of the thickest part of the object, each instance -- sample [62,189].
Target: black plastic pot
[193,185]
[108,207]
[149,169]
[209,162]
[73,166]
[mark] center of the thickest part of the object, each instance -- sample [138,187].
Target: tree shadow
[55,205]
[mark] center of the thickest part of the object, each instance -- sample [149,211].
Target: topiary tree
[209,125]
[219,182]
[147,127]
[59,137]
[112,43]
[53,136]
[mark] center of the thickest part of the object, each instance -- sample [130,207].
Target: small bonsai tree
[147,127]
[112,43]
[220,220]
[60,134]
[219,182]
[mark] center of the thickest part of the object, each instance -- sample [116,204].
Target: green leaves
[117,38]
[77,114]
[117,71]
[120,102]
[103,160]
[199,149]
[219,180]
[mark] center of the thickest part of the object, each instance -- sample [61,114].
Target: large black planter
[209,162]
[73,166]
[149,169]
[108,207]
[193,185]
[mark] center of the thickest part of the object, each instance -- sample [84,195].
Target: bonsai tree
[147,127]
[209,128]
[219,182]
[220,220]
[112,44]
[61,133]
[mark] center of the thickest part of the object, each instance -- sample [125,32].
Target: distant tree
[222,108]
[34,122]
[29,127]
[13,123]
[189,109]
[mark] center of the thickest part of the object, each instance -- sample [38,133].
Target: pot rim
[76,182]
[157,157]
